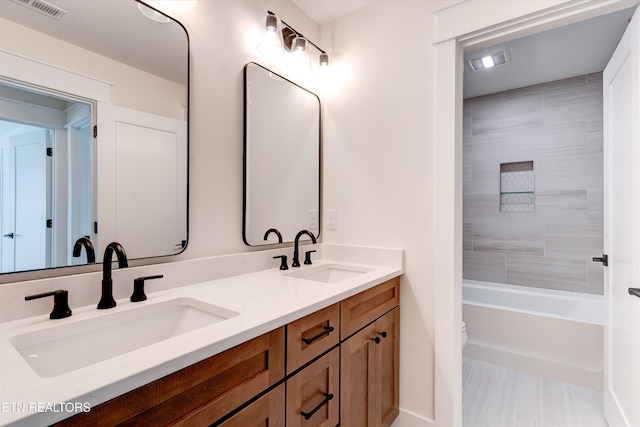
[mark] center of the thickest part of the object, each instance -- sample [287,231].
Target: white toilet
[464,334]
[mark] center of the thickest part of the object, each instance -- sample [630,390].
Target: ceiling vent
[43,8]
[488,61]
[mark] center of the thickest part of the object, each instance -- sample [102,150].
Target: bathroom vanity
[247,381]
[290,345]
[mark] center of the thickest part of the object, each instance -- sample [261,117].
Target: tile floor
[495,396]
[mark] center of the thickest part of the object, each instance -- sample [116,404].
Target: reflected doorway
[45,178]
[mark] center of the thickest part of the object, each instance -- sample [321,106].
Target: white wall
[379,156]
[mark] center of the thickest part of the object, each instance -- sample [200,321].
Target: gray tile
[595,79]
[573,105]
[477,208]
[576,241]
[466,118]
[548,141]
[594,136]
[512,238]
[595,206]
[514,112]
[485,266]
[486,178]
[467,178]
[483,148]
[573,173]
[558,207]
[547,272]
[497,396]
[467,238]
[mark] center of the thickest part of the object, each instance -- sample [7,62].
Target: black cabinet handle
[376,340]
[327,330]
[634,291]
[9,235]
[308,415]
[383,334]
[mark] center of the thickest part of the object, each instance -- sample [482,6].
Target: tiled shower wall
[558,126]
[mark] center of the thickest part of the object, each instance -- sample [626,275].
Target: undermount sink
[65,348]
[329,273]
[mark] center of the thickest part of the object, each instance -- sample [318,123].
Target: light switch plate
[332,219]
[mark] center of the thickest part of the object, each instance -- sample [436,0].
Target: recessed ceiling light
[488,61]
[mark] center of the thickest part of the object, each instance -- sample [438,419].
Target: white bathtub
[554,334]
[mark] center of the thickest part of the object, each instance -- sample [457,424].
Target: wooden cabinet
[313,393]
[369,362]
[199,394]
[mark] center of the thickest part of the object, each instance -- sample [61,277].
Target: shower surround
[557,126]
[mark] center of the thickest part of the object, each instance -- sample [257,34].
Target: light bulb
[271,45]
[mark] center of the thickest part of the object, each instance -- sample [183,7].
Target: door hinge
[49,151]
[95,131]
[49,223]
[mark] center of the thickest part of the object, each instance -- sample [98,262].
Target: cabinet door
[357,376]
[268,411]
[369,369]
[313,394]
[386,385]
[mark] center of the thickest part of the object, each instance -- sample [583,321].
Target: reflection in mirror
[93,132]
[45,173]
[281,158]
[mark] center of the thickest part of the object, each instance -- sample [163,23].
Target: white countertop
[265,300]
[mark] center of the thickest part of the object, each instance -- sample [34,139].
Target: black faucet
[88,246]
[273,230]
[107,301]
[296,260]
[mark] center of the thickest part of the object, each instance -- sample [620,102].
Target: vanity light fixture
[277,40]
[488,61]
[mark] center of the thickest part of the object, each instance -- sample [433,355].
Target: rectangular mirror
[93,131]
[282,147]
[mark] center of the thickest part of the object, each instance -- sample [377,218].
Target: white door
[137,152]
[622,230]
[24,203]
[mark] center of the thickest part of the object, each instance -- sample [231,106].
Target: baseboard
[410,419]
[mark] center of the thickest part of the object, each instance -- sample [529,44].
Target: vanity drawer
[200,393]
[312,335]
[313,394]
[365,307]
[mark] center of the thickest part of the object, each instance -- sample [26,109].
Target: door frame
[466,26]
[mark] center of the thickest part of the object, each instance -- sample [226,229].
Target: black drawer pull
[327,330]
[308,415]
[634,291]
[383,334]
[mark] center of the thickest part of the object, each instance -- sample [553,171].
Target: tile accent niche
[552,133]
